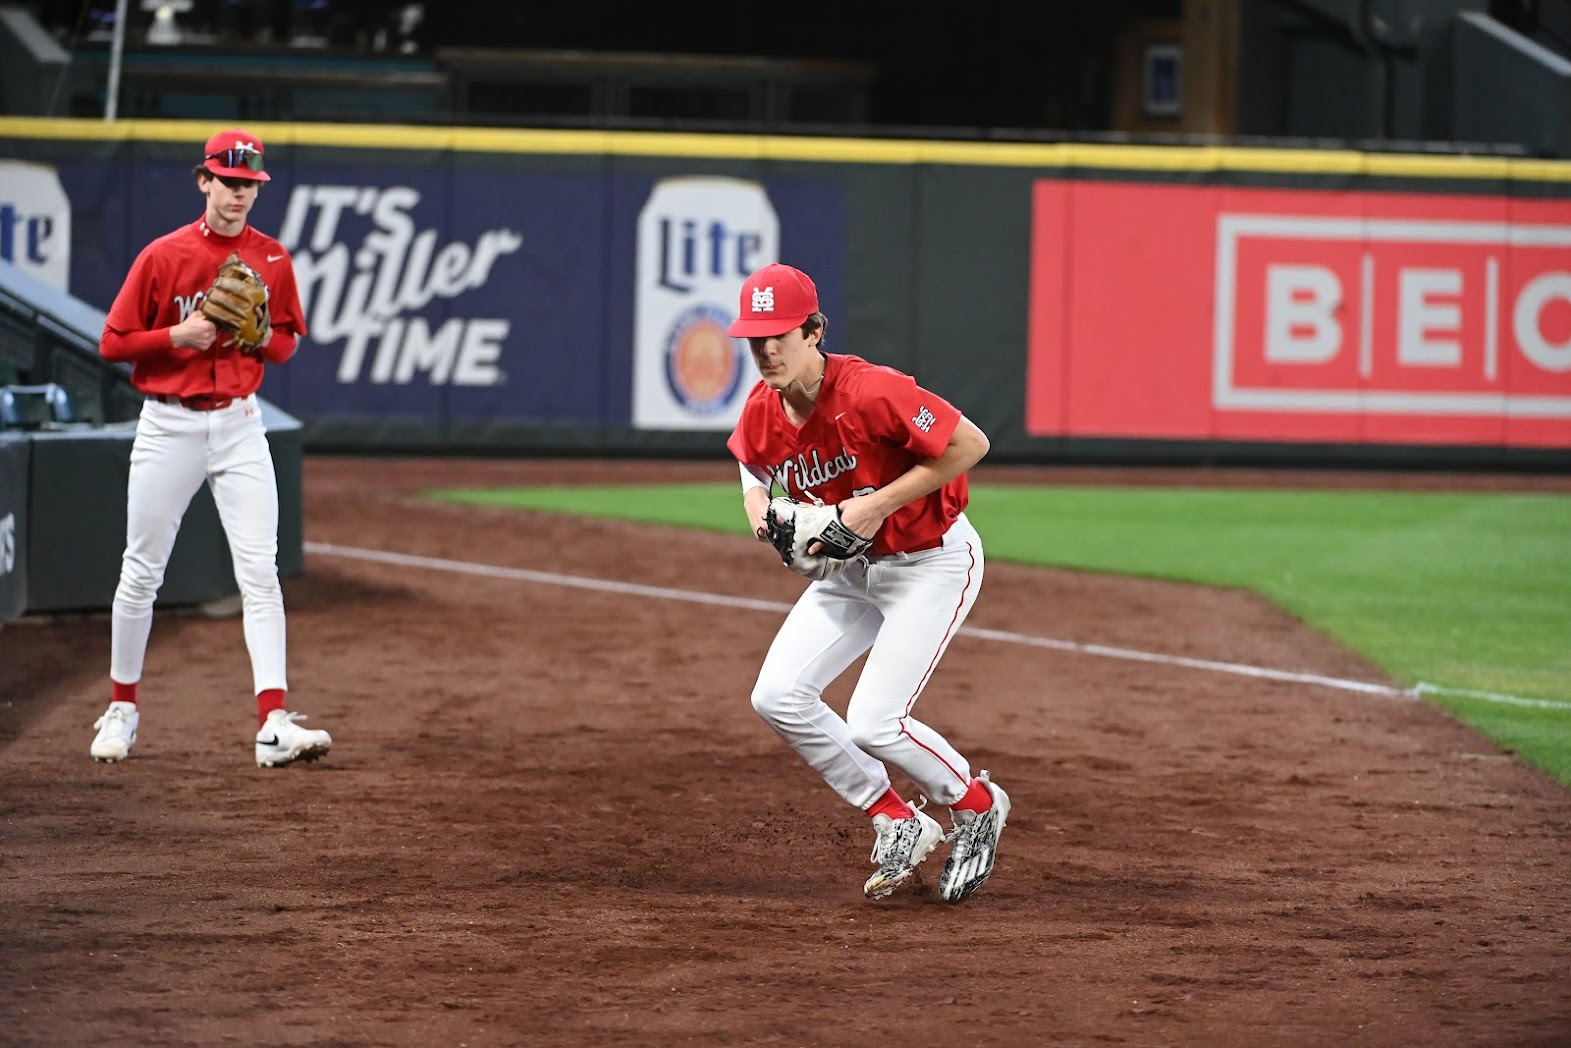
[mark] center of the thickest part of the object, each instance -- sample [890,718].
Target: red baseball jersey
[166,285]
[869,426]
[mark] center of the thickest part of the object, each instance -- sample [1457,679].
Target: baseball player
[892,457]
[201,423]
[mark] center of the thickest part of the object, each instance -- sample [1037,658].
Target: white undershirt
[753,477]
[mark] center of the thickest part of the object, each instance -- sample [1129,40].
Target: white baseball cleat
[975,841]
[901,845]
[116,732]
[281,741]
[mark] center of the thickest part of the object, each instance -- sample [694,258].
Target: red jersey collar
[208,231]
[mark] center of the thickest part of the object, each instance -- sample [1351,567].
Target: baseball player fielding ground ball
[873,470]
[201,313]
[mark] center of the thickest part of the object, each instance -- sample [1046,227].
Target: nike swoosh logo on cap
[274,258]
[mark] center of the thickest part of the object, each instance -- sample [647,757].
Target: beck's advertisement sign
[1254,314]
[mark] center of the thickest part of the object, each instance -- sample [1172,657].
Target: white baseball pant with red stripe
[902,610]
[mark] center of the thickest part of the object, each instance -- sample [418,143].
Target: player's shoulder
[851,373]
[260,251]
[165,253]
[260,241]
[174,238]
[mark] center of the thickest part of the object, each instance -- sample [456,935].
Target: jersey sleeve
[902,413]
[747,439]
[753,477]
[283,303]
[134,307]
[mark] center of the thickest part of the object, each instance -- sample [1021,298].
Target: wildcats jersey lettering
[808,472]
[869,426]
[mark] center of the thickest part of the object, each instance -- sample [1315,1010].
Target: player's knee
[767,702]
[873,733]
[258,582]
[139,582]
[781,703]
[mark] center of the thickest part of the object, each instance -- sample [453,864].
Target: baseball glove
[792,526]
[237,302]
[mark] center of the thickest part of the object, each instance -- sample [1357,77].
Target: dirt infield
[552,818]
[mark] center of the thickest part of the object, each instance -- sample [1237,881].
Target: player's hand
[861,514]
[194,332]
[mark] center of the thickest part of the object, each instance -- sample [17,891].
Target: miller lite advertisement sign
[698,239]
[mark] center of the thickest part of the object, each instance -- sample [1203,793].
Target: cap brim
[238,172]
[766,328]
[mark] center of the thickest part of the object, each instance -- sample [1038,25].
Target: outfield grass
[1462,591]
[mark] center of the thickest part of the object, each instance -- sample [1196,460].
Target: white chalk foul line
[1236,668]
[1425,688]
[548,578]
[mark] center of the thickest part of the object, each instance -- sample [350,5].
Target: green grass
[1464,591]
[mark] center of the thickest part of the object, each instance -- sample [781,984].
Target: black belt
[205,402]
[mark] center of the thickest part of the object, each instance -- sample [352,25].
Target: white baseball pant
[902,610]
[175,450]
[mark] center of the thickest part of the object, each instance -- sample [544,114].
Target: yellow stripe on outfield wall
[809,149]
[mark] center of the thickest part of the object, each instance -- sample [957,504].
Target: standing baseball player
[891,458]
[202,311]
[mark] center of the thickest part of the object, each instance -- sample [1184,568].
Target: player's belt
[921,547]
[205,402]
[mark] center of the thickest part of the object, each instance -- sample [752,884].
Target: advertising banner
[698,239]
[446,288]
[35,222]
[1208,312]
[15,452]
[418,307]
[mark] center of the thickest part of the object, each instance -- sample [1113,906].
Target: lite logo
[24,237]
[368,289]
[693,251]
[35,222]
[1401,316]
[7,543]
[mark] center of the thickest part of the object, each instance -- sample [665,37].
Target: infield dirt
[551,817]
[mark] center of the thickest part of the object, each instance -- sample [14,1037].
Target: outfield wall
[565,292]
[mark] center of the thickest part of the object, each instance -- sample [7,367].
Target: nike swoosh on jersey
[274,258]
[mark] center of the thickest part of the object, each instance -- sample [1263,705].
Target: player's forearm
[123,346]
[755,496]
[280,346]
[755,501]
[966,447]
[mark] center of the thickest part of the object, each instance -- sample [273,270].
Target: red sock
[976,798]
[891,805]
[123,692]
[266,702]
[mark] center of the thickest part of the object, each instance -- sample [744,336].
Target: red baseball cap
[235,153]
[775,299]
